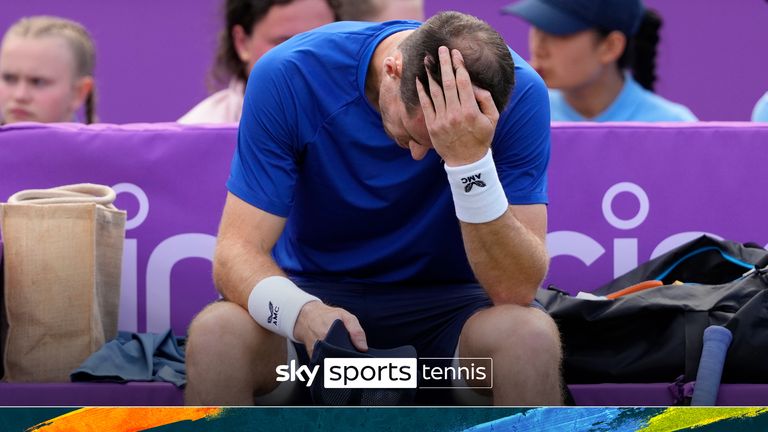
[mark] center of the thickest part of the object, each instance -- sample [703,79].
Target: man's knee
[223,335]
[223,328]
[230,357]
[511,327]
[217,319]
[538,332]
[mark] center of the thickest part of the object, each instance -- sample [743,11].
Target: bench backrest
[619,195]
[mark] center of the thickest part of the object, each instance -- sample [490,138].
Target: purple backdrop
[154,55]
[619,195]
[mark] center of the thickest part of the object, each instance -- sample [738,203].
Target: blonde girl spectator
[46,71]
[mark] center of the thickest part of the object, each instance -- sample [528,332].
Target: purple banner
[620,194]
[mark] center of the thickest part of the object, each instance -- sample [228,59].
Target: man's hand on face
[461,118]
[315,319]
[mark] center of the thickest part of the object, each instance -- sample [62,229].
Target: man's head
[486,58]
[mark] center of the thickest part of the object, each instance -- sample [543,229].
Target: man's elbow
[220,266]
[521,296]
[521,292]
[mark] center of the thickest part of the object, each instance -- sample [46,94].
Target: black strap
[762,264]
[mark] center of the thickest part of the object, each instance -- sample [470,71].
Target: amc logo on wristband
[272,317]
[473,180]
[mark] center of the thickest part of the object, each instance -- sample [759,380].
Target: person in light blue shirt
[760,113]
[633,103]
[585,50]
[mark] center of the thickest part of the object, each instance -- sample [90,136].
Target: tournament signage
[619,195]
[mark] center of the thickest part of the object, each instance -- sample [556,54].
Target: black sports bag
[655,335]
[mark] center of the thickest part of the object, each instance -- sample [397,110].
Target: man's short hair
[486,56]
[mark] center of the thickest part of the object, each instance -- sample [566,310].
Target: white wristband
[275,303]
[477,192]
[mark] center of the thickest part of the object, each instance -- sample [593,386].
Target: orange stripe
[122,419]
[635,288]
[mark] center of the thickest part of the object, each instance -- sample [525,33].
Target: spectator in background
[252,28]
[46,71]
[760,113]
[379,10]
[583,48]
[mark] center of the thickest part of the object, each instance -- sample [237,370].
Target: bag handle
[69,194]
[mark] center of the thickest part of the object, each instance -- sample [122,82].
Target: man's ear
[241,41]
[393,65]
[612,47]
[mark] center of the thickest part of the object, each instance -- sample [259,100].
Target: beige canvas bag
[62,258]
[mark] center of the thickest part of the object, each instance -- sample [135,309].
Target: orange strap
[635,288]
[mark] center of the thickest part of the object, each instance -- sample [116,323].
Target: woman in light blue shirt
[585,50]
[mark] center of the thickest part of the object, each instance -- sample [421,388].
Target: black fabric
[702,260]
[337,344]
[656,335]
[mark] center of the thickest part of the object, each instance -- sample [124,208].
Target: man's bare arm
[243,258]
[246,237]
[508,255]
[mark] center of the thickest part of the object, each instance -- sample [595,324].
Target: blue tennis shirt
[634,103]
[311,148]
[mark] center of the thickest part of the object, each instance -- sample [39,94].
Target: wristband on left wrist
[478,195]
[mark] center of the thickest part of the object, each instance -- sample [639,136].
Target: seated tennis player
[393,176]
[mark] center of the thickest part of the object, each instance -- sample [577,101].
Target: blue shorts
[429,317]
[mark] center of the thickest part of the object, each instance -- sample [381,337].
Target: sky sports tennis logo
[393,373]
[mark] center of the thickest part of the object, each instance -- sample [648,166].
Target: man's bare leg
[229,357]
[525,346]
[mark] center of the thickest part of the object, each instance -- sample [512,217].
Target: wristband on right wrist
[275,303]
